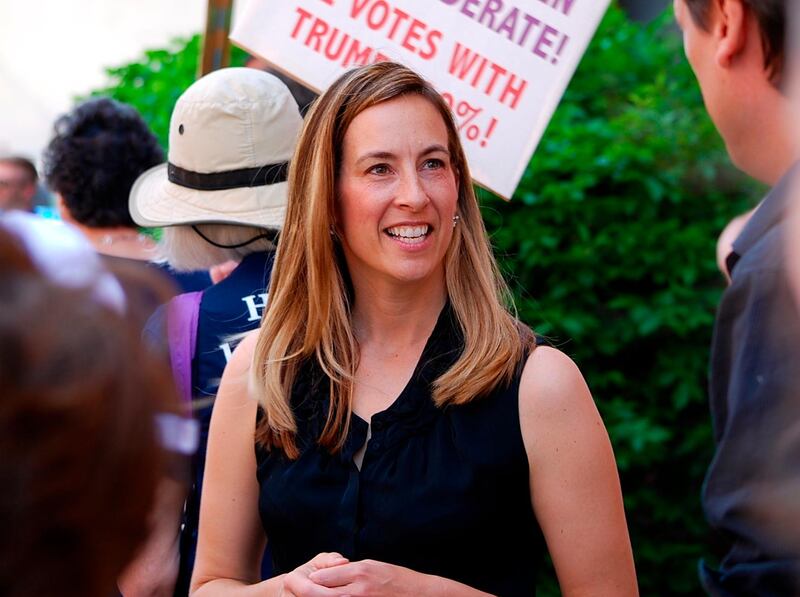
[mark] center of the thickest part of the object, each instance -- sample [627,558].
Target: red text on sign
[411,33]
[486,76]
[331,42]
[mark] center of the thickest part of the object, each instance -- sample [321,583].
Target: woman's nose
[411,193]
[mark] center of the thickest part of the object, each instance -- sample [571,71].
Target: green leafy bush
[154,83]
[609,247]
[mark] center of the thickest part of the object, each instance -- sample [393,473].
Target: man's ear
[730,29]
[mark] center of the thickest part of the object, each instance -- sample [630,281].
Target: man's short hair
[772,19]
[23,164]
[96,154]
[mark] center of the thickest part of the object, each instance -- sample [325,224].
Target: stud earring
[455,220]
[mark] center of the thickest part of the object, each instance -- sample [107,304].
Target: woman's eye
[379,169]
[433,164]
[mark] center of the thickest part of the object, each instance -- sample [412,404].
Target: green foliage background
[609,247]
[153,84]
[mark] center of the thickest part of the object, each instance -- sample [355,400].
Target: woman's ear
[333,227]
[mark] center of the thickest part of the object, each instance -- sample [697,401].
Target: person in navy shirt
[220,197]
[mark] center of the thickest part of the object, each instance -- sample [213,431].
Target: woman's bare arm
[575,487]
[231,539]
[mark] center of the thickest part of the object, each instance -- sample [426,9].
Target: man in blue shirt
[221,196]
[736,49]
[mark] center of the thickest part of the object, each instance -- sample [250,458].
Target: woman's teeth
[409,233]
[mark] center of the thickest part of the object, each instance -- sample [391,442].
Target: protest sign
[502,65]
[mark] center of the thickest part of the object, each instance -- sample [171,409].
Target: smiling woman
[397,192]
[411,439]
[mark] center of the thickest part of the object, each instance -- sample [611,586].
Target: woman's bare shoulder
[555,404]
[551,380]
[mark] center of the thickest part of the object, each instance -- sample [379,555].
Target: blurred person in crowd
[18,183]
[410,438]
[64,255]
[84,415]
[220,198]
[643,10]
[67,259]
[794,91]
[97,152]
[736,49]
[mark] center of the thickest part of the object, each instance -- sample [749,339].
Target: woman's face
[397,192]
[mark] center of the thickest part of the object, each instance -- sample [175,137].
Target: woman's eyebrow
[435,148]
[375,155]
[388,155]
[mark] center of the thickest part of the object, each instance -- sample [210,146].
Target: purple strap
[182,312]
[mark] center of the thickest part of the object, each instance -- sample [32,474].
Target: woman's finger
[302,586]
[337,576]
[328,559]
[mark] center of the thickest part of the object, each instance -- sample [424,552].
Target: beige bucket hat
[230,139]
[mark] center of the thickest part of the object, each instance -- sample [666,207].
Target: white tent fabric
[54,50]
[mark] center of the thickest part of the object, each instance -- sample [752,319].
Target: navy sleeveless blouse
[440,491]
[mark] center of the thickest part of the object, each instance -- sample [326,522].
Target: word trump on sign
[502,65]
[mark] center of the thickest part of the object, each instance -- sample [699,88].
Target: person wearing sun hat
[221,196]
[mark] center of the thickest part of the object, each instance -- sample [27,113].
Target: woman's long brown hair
[308,314]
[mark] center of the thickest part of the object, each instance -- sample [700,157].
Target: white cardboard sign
[503,65]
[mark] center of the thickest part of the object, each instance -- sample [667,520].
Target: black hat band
[231,179]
